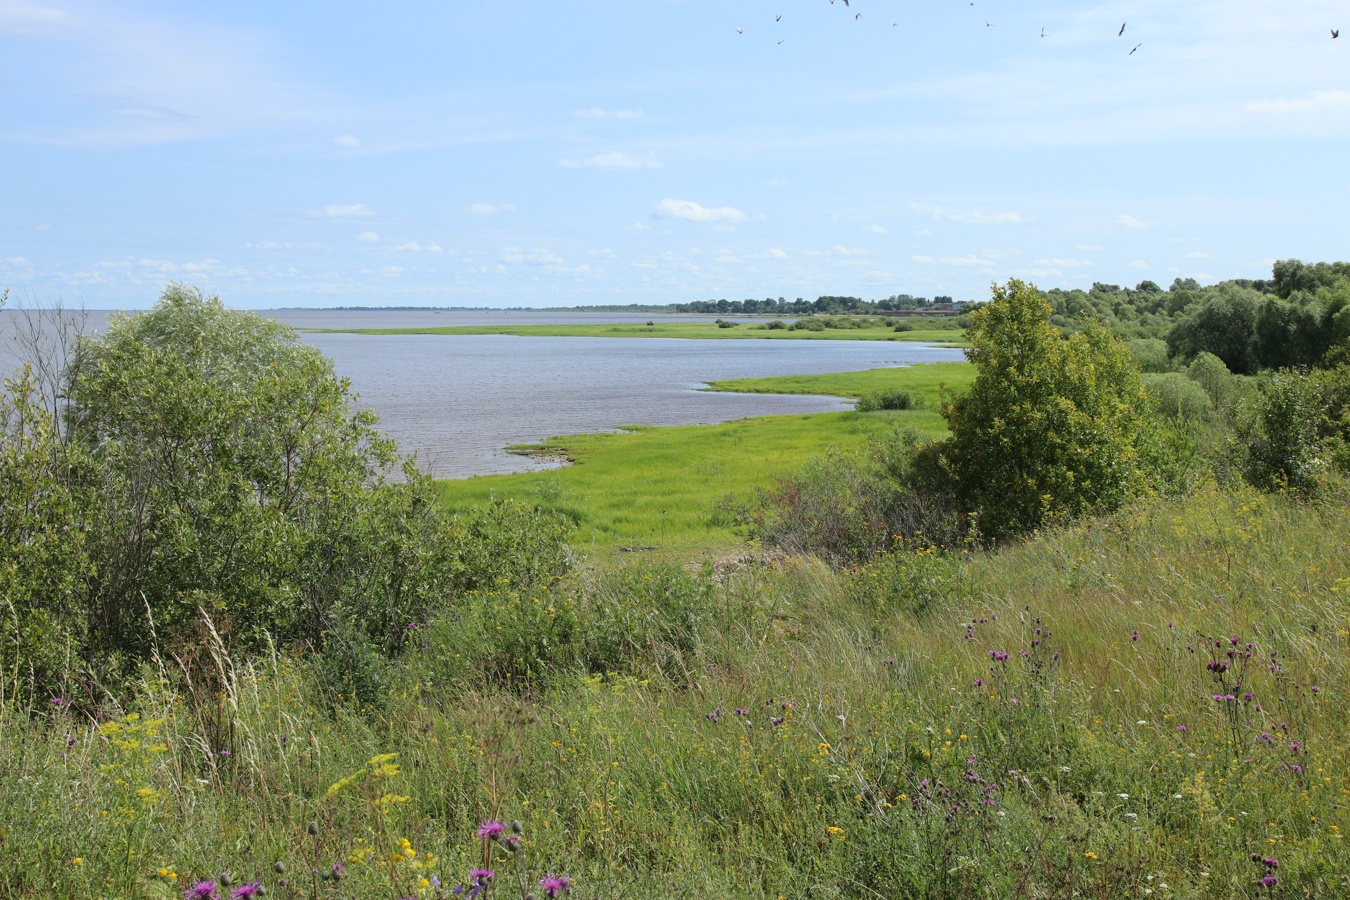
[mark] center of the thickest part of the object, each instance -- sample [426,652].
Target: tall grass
[1039,721]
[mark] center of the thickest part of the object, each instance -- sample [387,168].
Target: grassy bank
[697,330]
[926,382]
[673,490]
[1061,718]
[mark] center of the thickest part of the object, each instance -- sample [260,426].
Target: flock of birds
[1335,32]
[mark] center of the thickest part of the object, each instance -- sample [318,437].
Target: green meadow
[675,490]
[697,330]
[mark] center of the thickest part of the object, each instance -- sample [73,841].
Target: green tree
[1224,325]
[1052,427]
[231,474]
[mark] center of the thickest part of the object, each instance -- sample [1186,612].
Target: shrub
[1284,442]
[776,325]
[890,398]
[1052,427]
[810,323]
[1178,397]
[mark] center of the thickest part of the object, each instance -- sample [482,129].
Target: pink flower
[491,829]
[202,890]
[554,885]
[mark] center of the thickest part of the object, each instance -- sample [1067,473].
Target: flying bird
[1042,32]
[846,2]
[988,24]
[740,31]
[1136,47]
[1122,30]
[1335,33]
[780,40]
[857,17]
[778,18]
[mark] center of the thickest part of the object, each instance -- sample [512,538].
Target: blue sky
[660,151]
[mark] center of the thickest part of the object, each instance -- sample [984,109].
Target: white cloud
[30,19]
[1138,264]
[1129,222]
[690,211]
[1197,254]
[411,246]
[968,260]
[615,160]
[1058,263]
[849,251]
[368,237]
[344,211]
[878,229]
[975,217]
[920,258]
[777,254]
[435,248]
[1317,100]
[350,141]
[392,270]
[594,113]
[489,209]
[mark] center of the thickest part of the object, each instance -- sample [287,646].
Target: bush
[1285,442]
[1052,427]
[890,398]
[1178,397]
[1151,355]
[810,323]
[214,470]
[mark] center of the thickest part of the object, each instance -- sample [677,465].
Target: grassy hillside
[1062,718]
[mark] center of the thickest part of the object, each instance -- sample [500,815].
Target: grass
[695,330]
[877,753]
[674,489]
[927,382]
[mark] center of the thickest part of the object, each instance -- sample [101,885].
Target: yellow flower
[836,831]
[1090,855]
[77,861]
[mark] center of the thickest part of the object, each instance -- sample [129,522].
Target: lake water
[458,401]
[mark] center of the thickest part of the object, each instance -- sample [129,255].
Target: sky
[536,154]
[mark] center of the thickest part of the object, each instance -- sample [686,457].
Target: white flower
[1123,796]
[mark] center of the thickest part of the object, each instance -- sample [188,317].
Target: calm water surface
[458,401]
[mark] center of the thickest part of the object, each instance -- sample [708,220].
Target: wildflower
[554,885]
[1316,689]
[482,876]
[1248,697]
[202,890]
[1270,881]
[979,682]
[1181,728]
[251,889]
[491,830]
[1090,855]
[741,711]
[776,720]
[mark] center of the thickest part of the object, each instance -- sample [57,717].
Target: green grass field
[926,382]
[662,487]
[698,330]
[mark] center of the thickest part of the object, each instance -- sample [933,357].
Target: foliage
[210,468]
[1178,397]
[894,399]
[1062,721]
[1052,427]
[1286,443]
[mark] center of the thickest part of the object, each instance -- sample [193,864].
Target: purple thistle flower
[202,890]
[481,876]
[491,829]
[1248,697]
[776,720]
[1296,768]
[1316,689]
[1270,862]
[251,889]
[979,682]
[1181,728]
[741,711]
[1295,746]
[554,885]
[1270,881]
